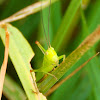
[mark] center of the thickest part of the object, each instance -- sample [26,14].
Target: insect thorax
[50,59]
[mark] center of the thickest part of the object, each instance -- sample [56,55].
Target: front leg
[62,57]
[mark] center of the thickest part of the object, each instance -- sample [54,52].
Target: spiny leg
[62,57]
[51,75]
[45,73]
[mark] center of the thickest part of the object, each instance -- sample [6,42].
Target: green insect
[50,60]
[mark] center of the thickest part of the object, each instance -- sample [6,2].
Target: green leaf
[12,90]
[82,90]
[65,24]
[70,61]
[88,25]
[21,54]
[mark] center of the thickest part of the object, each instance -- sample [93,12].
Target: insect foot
[34,92]
[31,70]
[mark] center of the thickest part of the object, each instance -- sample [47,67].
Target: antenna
[43,25]
[49,23]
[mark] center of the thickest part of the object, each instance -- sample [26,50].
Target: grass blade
[65,24]
[21,54]
[69,76]
[88,25]
[4,65]
[12,90]
[82,90]
[27,11]
[45,85]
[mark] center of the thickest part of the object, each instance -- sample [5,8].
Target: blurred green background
[85,85]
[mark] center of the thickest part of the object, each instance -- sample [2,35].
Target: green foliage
[11,90]
[69,26]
